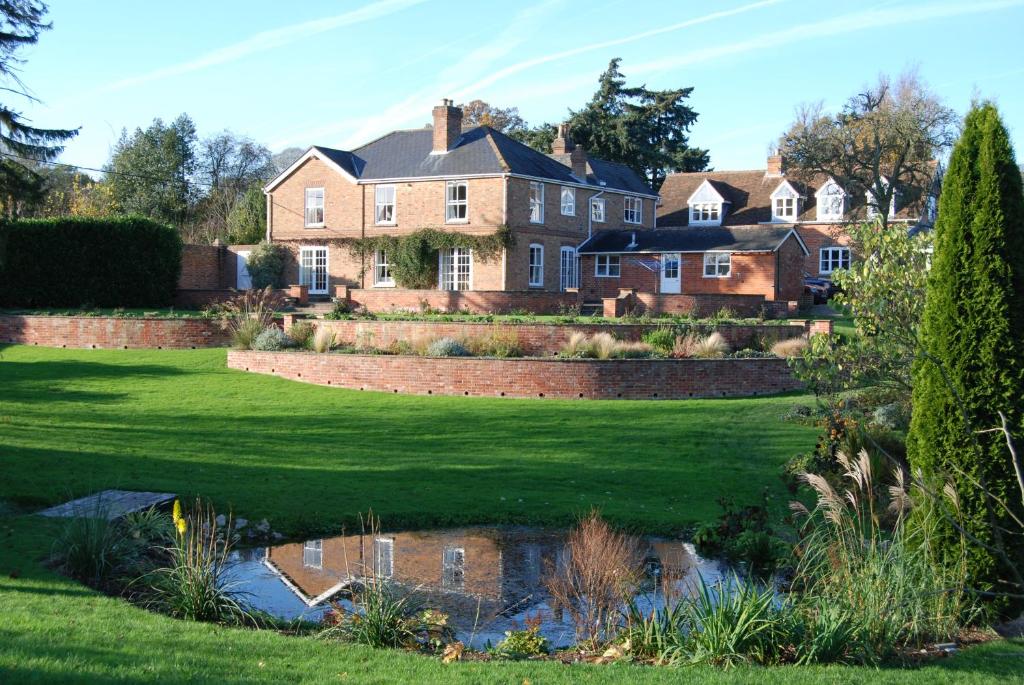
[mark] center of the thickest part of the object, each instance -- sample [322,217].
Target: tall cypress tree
[972,361]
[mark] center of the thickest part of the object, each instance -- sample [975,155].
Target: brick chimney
[776,165]
[447,126]
[578,162]
[562,143]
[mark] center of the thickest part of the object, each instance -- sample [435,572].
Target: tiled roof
[479,150]
[696,239]
[749,195]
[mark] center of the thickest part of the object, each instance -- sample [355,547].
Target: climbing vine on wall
[413,257]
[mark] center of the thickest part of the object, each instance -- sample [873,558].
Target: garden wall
[709,304]
[475,301]
[636,379]
[545,340]
[112,332]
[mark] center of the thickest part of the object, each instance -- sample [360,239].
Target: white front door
[671,273]
[313,269]
[243,281]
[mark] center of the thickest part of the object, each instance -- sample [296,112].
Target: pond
[487,579]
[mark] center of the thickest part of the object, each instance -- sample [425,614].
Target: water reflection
[488,580]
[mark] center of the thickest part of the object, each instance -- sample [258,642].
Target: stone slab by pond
[109,504]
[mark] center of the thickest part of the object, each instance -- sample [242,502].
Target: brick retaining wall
[476,301]
[540,340]
[111,332]
[539,378]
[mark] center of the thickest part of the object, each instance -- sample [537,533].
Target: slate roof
[696,239]
[480,150]
[749,194]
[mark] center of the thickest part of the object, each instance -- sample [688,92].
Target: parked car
[822,289]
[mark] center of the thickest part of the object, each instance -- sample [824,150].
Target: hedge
[102,262]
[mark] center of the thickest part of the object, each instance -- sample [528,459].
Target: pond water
[487,579]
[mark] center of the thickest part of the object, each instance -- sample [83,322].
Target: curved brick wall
[543,340]
[548,378]
[111,332]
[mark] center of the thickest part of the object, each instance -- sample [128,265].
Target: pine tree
[21,22]
[972,360]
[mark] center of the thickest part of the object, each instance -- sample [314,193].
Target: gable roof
[479,151]
[659,240]
[749,193]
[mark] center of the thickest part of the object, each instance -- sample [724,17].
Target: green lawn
[308,457]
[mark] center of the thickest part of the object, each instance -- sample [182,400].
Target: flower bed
[527,377]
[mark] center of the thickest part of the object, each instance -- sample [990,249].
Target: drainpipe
[270,212]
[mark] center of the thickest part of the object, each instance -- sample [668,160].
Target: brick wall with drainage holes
[538,378]
[544,340]
[112,332]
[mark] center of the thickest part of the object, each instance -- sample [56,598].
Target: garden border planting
[637,379]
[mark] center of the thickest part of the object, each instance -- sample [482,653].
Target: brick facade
[112,332]
[538,378]
[817,236]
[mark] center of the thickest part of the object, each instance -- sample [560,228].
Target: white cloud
[826,28]
[266,40]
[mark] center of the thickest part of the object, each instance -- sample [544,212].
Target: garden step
[109,504]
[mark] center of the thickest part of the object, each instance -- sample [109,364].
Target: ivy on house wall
[413,257]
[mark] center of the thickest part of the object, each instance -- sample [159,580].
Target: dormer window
[705,213]
[785,203]
[872,204]
[707,205]
[831,201]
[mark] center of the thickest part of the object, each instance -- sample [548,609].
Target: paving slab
[109,504]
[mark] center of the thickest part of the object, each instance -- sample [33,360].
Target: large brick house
[815,207]
[469,180]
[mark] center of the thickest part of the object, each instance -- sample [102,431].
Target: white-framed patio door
[313,269]
[569,269]
[671,273]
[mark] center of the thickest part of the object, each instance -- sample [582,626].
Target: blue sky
[341,73]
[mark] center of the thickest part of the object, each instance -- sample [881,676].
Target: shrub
[383,617]
[502,342]
[520,644]
[266,265]
[446,347]
[92,549]
[662,339]
[685,345]
[603,345]
[342,310]
[793,347]
[602,569]
[323,340]
[732,622]
[711,347]
[272,339]
[195,584]
[577,346]
[248,314]
[106,262]
[632,350]
[301,334]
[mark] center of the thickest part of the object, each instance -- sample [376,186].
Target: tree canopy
[884,141]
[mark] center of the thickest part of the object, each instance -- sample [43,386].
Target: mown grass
[306,457]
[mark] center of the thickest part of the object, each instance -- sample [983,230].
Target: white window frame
[382,570]
[536,267]
[831,202]
[784,209]
[307,207]
[706,214]
[716,260]
[832,258]
[608,266]
[453,567]
[597,209]
[313,554]
[382,279]
[451,206]
[632,210]
[456,257]
[568,268]
[568,200]
[536,202]
[379,203]
[309,265]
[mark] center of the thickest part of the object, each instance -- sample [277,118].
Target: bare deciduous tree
[884,141]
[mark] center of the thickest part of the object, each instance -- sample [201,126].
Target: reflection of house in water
[466,573]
